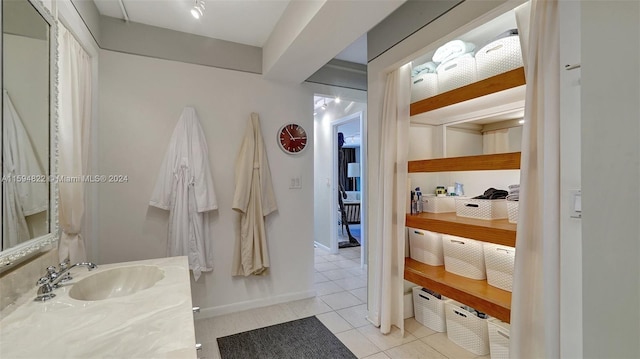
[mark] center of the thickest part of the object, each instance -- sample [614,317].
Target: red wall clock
[292,138]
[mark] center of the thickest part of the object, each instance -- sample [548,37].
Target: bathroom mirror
[29,126]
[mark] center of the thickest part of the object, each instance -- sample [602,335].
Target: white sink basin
[116,282]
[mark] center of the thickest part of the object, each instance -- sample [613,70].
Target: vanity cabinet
[479,102]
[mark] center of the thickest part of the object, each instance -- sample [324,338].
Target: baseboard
[252,304]
[320,245]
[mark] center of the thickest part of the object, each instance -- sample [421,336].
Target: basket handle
[457,241]
[504,250]
[503,334]
[450,67]
[422,296]
[460,313]
[497,47]
[471,205]
[418,232]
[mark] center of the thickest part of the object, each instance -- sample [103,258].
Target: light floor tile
[233,323]
[386,341]
[274,314]
[441,343]
[334,322]
[327,288]
[319,277]
[350,283]
[356,315]
[319,259]
[308,307]
[333,257]
[209,350]
[337,273]
[347,263]
[341,300]
[380,355]
[414,350]
[359,345]
[418,330]
[328,266]
[361,293]
[351,254]
[357,271]
[484,357]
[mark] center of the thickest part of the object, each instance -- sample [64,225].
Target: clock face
[292,138]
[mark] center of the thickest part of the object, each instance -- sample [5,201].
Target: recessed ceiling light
[337,99]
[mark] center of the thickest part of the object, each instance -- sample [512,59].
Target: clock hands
[290,135]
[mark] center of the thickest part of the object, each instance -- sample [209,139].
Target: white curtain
[73,141]
[535,303]
[392,194]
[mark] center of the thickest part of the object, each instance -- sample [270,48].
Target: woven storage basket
[498,339]
[499,261]
[456,73]
[463,256]
[424,86]
[466,329]
[429,310]
[481,208]
[433,204]
[498,57]
[426,247]
[512,211]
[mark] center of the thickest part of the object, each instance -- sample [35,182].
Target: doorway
[349,162]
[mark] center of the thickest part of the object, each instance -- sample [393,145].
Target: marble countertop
[156,322]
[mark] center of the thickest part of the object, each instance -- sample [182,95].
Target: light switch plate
[576,203]
[295,182]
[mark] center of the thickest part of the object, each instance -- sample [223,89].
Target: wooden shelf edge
[497,83]
[492,162]
[496,231]
[475,293]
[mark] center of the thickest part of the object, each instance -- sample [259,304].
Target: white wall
[610,135]
[141,100]
[324,184]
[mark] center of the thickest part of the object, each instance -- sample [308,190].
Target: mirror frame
[15,255]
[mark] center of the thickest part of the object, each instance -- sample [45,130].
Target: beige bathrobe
[254,199]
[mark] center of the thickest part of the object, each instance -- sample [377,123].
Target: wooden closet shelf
[497,83]
[498,231]
[498,161]
[474,293]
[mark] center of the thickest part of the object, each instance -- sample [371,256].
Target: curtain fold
[73,141]
[535,303]
[392,194]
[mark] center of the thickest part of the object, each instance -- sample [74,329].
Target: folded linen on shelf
[493,193]
[428,67]
[452,50]
[514,192]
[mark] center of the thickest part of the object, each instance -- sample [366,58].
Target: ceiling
[248,22]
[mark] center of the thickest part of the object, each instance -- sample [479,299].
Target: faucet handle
[64,264]
[52,273]
[42,281]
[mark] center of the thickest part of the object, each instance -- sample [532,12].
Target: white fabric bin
[499,261]
[464,257]
[498,339]
[487,209]
[434,204]
[499,57]
[456,73]
[426,246]
[423,86]
[512,211]
[466,329]
[429,310]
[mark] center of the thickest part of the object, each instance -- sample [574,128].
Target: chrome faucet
[50,281]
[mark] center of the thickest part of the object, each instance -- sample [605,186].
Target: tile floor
[341,305]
